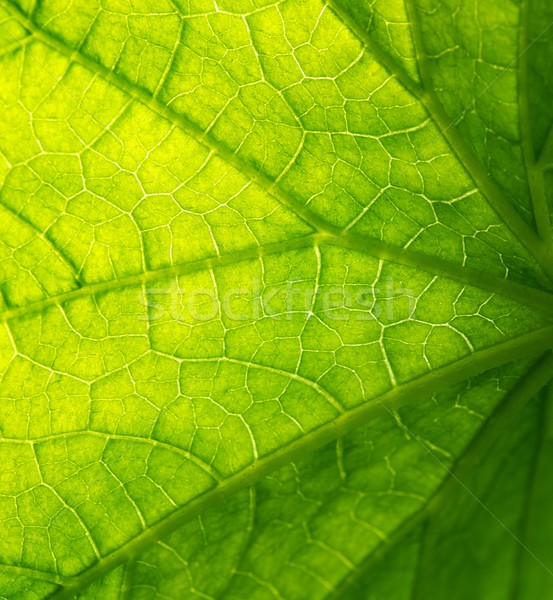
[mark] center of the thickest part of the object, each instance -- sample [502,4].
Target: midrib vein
[544,159]
[182,269]
[535,379]
[519,293]
[446,126]
[479,362]
[535,174]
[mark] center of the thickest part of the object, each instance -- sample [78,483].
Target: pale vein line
[281,372]
[106,436]
[535,175]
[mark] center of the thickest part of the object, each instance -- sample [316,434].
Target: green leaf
[274,278]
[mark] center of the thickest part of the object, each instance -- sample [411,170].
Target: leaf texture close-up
[276,299]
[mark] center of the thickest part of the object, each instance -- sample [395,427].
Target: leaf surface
[299,244]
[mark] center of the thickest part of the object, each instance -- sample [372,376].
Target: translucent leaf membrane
[318,527]
[290,97]
[233,233]
[128,404]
